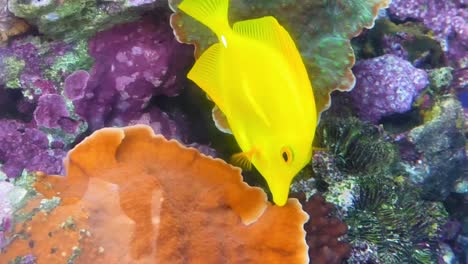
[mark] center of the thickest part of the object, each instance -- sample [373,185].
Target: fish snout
[279,190]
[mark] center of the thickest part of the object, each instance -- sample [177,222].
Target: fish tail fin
[211,13]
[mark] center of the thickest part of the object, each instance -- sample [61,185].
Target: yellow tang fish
[255,75]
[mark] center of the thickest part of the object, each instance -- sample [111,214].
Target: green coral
[13,69]
[72,20]
[359,148]
[440,78]
[392,216]
[342,194]
[322,30]
[75,255]
[76,59]
[48,205]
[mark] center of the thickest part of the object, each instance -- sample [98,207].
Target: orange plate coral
[132,197]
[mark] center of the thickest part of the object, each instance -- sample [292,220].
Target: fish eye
[286,154]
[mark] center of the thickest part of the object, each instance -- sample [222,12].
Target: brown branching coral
[132,197]
[10,25]
[323,232]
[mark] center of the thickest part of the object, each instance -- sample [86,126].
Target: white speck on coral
[137,50]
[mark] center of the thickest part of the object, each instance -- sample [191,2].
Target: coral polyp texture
[386,85]
[358,147]
[390,224]
[130,196]
[321,29]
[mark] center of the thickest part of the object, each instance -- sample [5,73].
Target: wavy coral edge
[292,201]
[195,151]
[348,71]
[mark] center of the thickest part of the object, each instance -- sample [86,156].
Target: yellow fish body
[255,75]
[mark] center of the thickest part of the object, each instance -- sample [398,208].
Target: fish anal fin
[220,120]
[268,31]
[243,159]
[206,72]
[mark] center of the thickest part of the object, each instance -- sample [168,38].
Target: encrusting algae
[273,119]
[132,197]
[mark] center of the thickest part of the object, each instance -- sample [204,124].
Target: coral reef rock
[440,144]
[324,233]
[78,19]
[386,85]
[447,19]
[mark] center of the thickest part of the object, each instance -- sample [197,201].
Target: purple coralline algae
[37,66]
[60,95]
[24,147]
[386,85]
[159,121]
[51,112]
[447,19]
[134,62]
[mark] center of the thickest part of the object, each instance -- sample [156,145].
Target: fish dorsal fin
[268,31]
[211,13]
[206,72]
[220,120]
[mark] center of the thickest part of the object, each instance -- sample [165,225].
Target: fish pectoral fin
[268,31]
[206,72]
[243,159]
[220,120]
